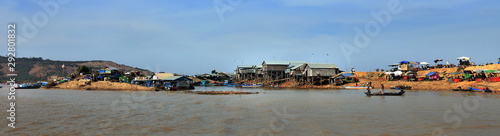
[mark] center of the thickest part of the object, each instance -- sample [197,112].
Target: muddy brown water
[275,112]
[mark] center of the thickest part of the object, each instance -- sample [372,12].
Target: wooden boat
[251,85]
[401,87]
[461,89]
[480,89]
[275,86]
[355,87]
[223,92]
[386,94]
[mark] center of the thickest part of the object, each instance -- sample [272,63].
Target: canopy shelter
[478,70]
[463,58]
[433,75]
[456,73]
[424,63]
[408,62]
[467,73]
[430,73]
[491,71]
[437,60]
[347,75]
[395,65]
[411,73]
[398,73]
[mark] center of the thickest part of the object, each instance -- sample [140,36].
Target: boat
[30,86]
[401,87]
[480,89]
[356,87]
[275,86]
[251,85]
[461,89]
[386,94]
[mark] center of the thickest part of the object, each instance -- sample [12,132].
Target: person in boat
[369,92]
[401,91]
[459,87]
[382,86]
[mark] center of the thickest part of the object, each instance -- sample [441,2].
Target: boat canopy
[408,62]
[463,58]
[424,63]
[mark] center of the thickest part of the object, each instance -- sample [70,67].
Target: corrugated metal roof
[173,78]
[245,66]
[322,65]
[163,75]
[295,67]
[283,62]
[258,66]
[112,68]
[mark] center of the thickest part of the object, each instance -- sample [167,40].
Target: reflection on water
[273,111]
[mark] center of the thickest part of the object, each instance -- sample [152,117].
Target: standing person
[369,92]
[382,86]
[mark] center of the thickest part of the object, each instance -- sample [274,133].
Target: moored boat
[251,85]
[461,89]
[355,87]
[386,94]
[401,87]
[480,89]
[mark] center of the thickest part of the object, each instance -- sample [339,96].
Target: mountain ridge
[38,69]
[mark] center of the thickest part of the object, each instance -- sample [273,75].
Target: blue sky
[189,37]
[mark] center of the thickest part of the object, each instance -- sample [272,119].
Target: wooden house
[273,70]
[321,70]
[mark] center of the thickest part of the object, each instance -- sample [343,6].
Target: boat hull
[386,94]
[461,89]
[355,87]
[250,86]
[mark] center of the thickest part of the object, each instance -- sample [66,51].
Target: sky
[197,36]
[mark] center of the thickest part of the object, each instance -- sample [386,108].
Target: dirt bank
[101,85]
[376,79]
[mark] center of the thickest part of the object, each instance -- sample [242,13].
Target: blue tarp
[347,75]
[404,62]
[456,73]
[430,74]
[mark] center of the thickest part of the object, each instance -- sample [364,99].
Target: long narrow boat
[386,94]
[355,87]
[480,89]
[401,87]
[251,85]
[461,89]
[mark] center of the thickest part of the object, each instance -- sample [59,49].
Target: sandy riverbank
[101,85]
[416,85]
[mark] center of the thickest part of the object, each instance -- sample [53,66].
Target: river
[274,111]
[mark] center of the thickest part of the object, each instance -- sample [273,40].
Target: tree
[83,69]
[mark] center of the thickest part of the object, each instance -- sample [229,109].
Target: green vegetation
[83,69]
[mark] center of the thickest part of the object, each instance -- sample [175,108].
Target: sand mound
[101,85]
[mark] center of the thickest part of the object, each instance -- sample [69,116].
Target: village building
[274,70]
[178,82]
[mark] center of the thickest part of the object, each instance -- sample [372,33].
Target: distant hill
[36,69]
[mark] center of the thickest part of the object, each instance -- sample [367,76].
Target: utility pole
[327,58]
[312,57]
